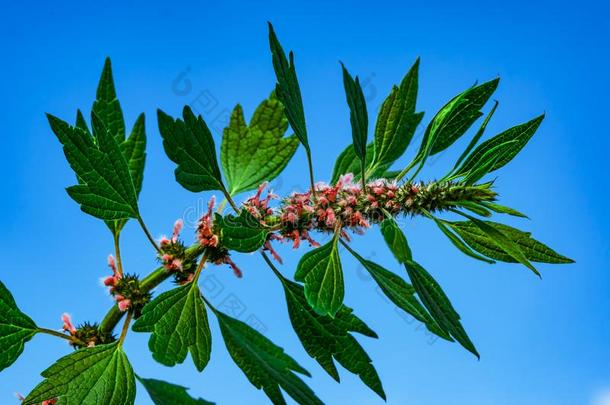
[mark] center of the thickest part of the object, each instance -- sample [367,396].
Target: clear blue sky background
[541,341]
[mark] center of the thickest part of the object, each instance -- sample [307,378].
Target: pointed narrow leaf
[395,239]
[243,233]
[320,270]
[16,328]
[287,88]
[401,293]
[457,242]
[259,152]
[164,393]
[189,143]
[397,120]
[507,144]
[501,209]
[348,162]
[89,376]
[502,241]
[357,113]
[107,106]
[531,248]
[325,338]
[477,136]
[179,324]
[435,300]
[265,365]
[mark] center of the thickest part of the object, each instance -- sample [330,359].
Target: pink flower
[68,326]
[178,225]
[124,305]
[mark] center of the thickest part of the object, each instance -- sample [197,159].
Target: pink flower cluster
[47,402]
[209,239]
[112,281]
[170,262]
[68,326]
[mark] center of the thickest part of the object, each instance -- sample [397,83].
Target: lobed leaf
[90,376]
[325,338]
[320,270]
[107,106]
[259,152]
[243,233]
[188,142]
[16,329]
[265,365]
[179,324]
[287,88]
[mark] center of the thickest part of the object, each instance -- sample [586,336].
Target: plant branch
[55,333]
[117,253]
[125,327]
[148,235]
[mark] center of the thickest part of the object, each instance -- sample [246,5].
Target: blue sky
[541,341]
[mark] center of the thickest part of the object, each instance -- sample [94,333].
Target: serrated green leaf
[265,365]
[358,116]
[179,324]
[107,106]
[453,120]
[287,88]
[253,154]
[401,293]
[16,328]
[164,393]
[106,190]
[395,239]
[439,306]
[320,270]
[503,242]
[325,338]
[188,142]
[531,248]
[397,121]
[89,376]
[506,144]
[242,233]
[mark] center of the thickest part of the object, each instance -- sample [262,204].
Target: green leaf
[395,239]
[189,143]
[506,144]
[453,120]
[502,241]
[477,136]
[531,248]
[259,152]
[179,324]
[325,338]
[320,270]
[358,115]
[107,106]
[435,300]
[348,162]
[243,233]
[397,121]
[287,88]
[164,393]
[89,376]
[501,209]
[106,189]
[265,365]
[134,150]
[457,242]
[401,293]
[16,328]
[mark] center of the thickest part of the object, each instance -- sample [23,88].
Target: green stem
[311,182]
[148,235]
[406,170]
[125,328]
[55,333]
[230,199]
[117,253]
